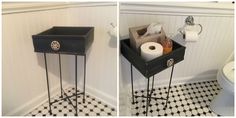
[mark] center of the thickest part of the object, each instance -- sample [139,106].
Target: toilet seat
[225,77]
[228,72]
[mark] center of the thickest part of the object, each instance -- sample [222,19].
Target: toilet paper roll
[151,50]
[191,35]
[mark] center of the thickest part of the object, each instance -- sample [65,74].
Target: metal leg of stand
[169,85]
[76,110]
[151,89]
[49,100]
[60,75]
[147,101]
[152,82]
[84,78]
[131,69]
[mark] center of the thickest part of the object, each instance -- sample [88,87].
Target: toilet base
[223,104]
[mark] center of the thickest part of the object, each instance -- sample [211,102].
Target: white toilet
[223,103]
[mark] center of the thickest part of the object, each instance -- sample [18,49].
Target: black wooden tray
[65,40]
[154,66]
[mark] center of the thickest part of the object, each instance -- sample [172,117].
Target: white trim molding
[175,81]
[42,98]
[34,103]
[107,99]
[22,7]
[180,8]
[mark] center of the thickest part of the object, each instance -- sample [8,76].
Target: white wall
[102,59]
[202,58]
[23,80]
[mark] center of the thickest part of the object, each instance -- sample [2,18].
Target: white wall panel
[101,62]
[23,70]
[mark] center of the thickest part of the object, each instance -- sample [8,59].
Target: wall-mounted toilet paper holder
[189,21]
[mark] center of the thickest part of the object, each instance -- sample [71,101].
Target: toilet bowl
[223,103]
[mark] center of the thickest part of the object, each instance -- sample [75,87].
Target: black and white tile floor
[190,99]
[91,107]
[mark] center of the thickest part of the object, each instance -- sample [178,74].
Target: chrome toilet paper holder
[189,21]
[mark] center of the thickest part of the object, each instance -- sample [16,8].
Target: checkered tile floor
[91,107]
[191,99]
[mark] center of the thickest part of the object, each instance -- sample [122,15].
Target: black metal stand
[149,94]
[66,97]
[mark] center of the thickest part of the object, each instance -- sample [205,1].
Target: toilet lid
[228,71]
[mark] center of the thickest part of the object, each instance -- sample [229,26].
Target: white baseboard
[34,103]
[107,99]
[40,99]
[176,81]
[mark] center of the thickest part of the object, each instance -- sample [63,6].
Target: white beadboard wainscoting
[202,58]
[24,79]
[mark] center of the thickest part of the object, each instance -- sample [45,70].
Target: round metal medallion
[55,45]
[170,62]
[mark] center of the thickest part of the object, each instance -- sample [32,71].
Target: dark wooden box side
[154,66]
[132,56]
[70,31]
[73,40]
[42,44]
[90,37]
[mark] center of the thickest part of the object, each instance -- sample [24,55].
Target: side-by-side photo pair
[118,59]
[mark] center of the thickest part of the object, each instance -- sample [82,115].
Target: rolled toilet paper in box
[191,36]
[151,50]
